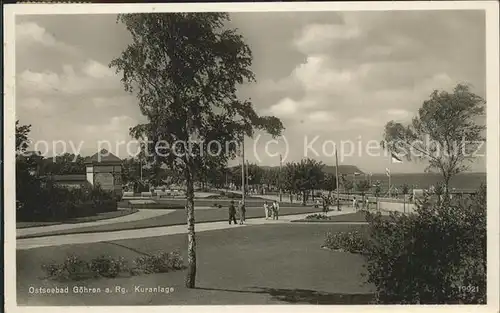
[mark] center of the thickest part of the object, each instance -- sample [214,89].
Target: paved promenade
[29,243]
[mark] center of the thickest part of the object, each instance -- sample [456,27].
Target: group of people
[272,210]
[232,212]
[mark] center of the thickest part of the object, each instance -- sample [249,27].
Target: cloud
[284,107]
[110,102]
[365,71]
[320,37]
[30,34]
[398,113]
[97,70]
[35,104]
[89,78]
[115,124]
[321,117]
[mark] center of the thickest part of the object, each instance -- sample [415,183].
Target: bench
[128,194]
[146,194]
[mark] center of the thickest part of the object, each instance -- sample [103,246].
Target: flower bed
[75,268]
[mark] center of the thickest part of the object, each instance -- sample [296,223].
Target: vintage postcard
[205,156]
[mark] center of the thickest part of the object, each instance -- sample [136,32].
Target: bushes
[317,216]
[74,268]
[352,241]
[107,266]
[432,256]
[43,200]
[161,262]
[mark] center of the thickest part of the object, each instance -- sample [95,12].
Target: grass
[175,218]
[86,219]
[290,267]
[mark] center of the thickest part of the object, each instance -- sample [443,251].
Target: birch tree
[184,69]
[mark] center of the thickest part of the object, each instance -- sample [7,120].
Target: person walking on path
[276,210]
[232,213]
[242,210]
[266,209]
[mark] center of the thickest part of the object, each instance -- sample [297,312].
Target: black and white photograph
[238,154]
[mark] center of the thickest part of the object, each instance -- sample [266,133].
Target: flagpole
[279,179]
[390,182]
[337,179]
[246,173]
[243,189]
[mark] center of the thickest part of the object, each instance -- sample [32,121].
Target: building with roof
[105,169]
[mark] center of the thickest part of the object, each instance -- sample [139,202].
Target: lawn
[174,218]
[85,219]
[265,264]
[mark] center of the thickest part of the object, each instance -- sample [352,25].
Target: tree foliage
[329,182]
[22,132]
[445,133]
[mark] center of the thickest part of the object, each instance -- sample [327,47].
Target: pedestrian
[232,213]
[242,212]
[266,209]
[353,202]
[326,204]
[276,210]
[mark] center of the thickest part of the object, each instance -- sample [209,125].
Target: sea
[463,181]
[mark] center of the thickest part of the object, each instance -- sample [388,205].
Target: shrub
[352,241]
[429,257]
[317,216]
[107,266]
[73,268]
[159,263]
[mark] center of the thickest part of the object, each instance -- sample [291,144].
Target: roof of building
[104,156]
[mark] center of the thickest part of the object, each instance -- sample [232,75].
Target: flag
[395,158]
[387,172]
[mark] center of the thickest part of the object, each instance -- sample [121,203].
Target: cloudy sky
[335,76]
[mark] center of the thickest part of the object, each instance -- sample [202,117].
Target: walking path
[140,215]
[30,243]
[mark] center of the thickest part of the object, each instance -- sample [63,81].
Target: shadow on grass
[305,296]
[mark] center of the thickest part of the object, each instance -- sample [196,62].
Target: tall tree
[184,69]
[348,185]
[377,191]
[308,176]
[330,183]
[405,189]
[290,180]
[270,177]
[363,186]
[445,133]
